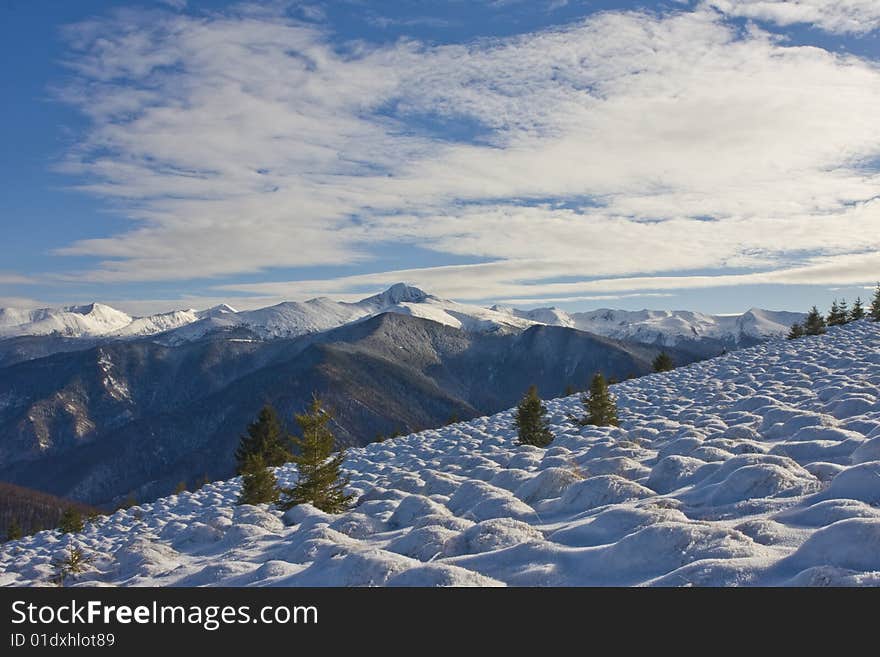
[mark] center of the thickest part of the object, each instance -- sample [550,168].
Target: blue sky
[710,155]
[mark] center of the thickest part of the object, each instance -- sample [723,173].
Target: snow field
[761,467]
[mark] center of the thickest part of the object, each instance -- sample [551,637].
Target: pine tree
[814,324]
[600,404]
[14,531]
[258,483]
[71,521]
[265,438]
[797,331]
[843,309]
[832,315]
[320,480]
[74,563]
[531,420]
[663,362]
[858,311]
[874,313]
[837,314]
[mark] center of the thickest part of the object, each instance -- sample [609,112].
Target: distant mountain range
[76,327]
[95,404]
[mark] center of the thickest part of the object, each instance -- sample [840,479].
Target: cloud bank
[617,154]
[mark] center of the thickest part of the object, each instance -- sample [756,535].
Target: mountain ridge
[294,318]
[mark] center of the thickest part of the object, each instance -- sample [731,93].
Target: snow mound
[853,544]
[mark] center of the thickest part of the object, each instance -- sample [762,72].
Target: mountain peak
[399,293]
[214,311]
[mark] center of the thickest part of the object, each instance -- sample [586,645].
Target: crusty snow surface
[761,467]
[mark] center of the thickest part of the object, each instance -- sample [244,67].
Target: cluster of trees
[267,445]
[533,427]
[24,511]
[839,314]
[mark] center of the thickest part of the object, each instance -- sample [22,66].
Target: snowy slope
[668,327]
[761,467]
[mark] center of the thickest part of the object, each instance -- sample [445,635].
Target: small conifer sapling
[663,362]
[857,312]
[600,404]
[797,331]
[814,324]
[874,313]
[531,420]
[71,521]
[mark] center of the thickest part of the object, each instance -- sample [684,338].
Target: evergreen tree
[258,483]
[814,324]
[320,480]
[600,404]
[71,521]
[14,531]
[74,563]
[837,315]
[663,362]
[264,438]
[874,313]
[843,309]
[531,420]
[797,331]
[857,312]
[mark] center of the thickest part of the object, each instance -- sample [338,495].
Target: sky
[710,155]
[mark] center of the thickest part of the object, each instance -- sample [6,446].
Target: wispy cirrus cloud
[15,279]
[624,150]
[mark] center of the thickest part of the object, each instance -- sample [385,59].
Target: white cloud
[242,143]
[842,16]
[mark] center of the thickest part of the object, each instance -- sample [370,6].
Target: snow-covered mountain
[668,327]
[96,320]
[761,467]
[71,321]
[292,319]
[284,320]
